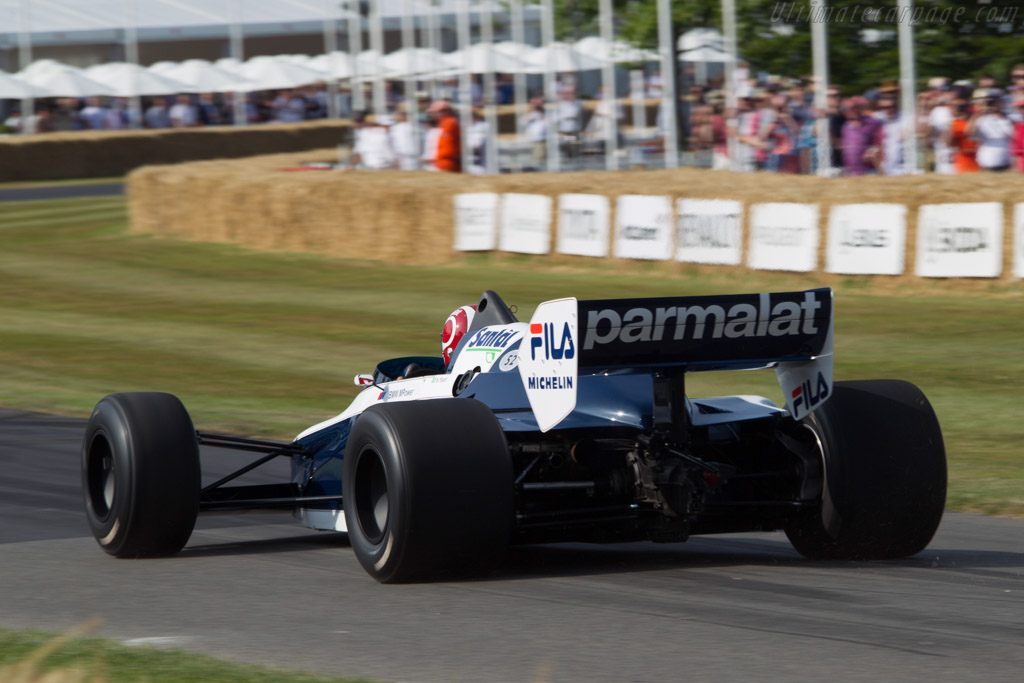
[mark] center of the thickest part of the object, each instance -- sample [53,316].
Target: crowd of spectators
[961,126]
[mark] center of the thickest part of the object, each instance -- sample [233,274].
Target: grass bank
[266,344]
[34,656]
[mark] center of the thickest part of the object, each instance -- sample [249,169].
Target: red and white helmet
[454,328]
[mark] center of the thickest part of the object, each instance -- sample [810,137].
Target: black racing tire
[885,474]
[140,474]
[428,490]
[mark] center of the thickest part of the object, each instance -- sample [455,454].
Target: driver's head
[454,328]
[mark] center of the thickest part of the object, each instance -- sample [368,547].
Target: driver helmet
[454,329]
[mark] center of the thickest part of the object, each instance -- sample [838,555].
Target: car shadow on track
[262,546]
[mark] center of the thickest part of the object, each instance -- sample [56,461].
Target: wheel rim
[371,493]
[100,476]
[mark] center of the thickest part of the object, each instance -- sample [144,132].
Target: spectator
[836,119]
[183,113]
[209,113]
[372,150]
[861,138]
[1017,147]
[289,107]
[599,127]
[748,142]
[94,115]
[892,161]
[993,131]
[478,143]
[404,140]
[156,115]
[536,128]
[780,139]
[963,147]
[940,118]
[449,143]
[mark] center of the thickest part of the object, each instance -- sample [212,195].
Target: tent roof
[71,21]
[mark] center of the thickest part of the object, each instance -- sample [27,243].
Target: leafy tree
[954,38]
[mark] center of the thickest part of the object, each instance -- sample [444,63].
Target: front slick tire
[140,474]
[428,490]
[885,472]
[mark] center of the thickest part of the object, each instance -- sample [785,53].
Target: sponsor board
[583,224]
[1018,240]
[526,223]
[548,360]
[709,231]
[643,227]
[476,221]
[960,240]
[783,236]
[866,239]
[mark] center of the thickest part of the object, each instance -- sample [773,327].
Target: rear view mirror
[363,380]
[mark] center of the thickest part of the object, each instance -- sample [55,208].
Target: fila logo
[553,345]
[806,396]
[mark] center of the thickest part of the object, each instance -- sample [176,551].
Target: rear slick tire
[428,490]
[140,474]
[885,474]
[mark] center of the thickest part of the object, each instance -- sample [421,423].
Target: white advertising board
[709,231]
[476,221]
[783,236]
[643,227]
[583,224]
[960,240]
[1018,240]
[866,239]
[526,223]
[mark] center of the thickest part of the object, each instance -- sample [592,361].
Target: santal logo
[553,345]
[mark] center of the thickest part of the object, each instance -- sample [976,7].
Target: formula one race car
[574,426]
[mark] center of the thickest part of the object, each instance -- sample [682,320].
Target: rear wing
[790,331]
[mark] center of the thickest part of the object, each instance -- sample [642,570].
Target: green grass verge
[58,183]
[98,659]
[267,344]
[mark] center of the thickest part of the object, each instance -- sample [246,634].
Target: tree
[954,38]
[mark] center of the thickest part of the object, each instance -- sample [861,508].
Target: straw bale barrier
[99,154]
[408,216]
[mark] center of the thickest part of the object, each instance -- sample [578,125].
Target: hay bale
[408,217]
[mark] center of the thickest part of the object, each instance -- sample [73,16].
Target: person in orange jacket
[449,143]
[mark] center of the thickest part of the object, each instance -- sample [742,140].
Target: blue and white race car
[572,426]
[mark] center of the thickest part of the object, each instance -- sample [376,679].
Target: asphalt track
[738,607]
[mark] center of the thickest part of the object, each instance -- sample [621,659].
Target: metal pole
[131,51]
[237,52]
[25,56]
[731,103]
[436,21]
[547,33]
[668,93]
[465,94]
[377,45]
[611,100]
[412,111]
[819,51]
[908,94]
[519,36]
[490,115]
[330,48]
[355,46]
